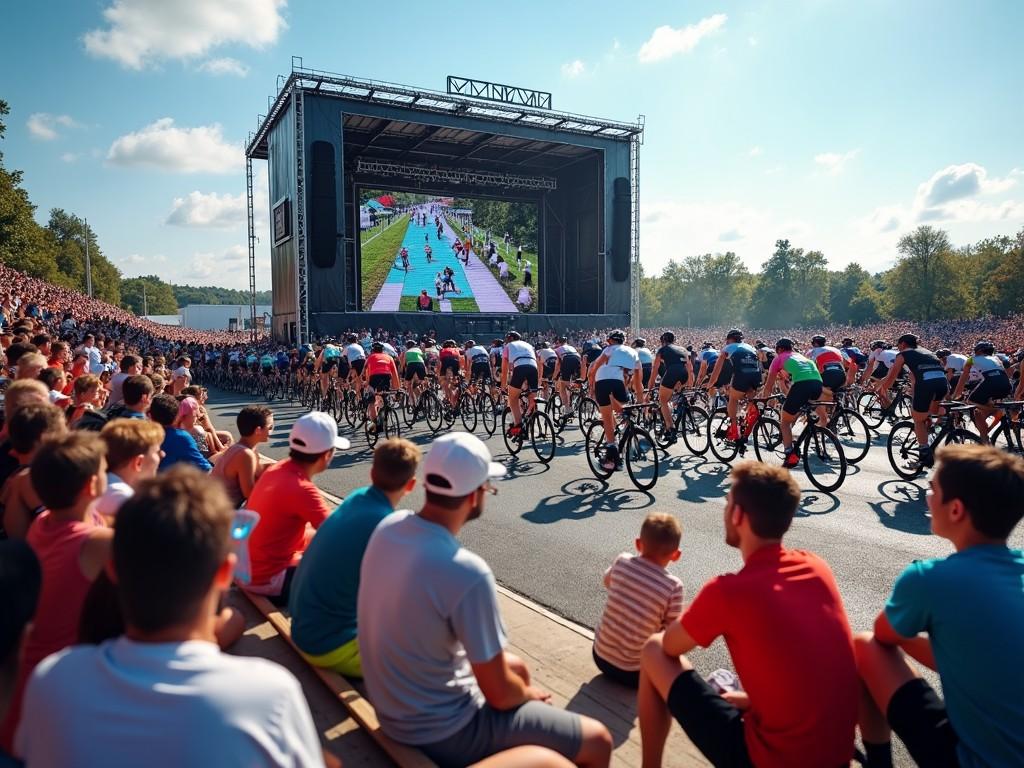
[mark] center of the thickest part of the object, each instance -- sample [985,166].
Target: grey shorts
[492,731]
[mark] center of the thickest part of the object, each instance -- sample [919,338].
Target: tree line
[56,253]
[931,280]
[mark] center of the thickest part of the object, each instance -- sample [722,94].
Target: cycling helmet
[784,345]
[410,344]
[943,353]
[878,344]
[562,340]
[706,345]
[468,344]
[759,343]
[984,348]
[377,346]
[734,333]
[512,336]
[668,337]
[543,345]
[639,342]
[689,347]
[818,341]
[847,342]
[352,338]
[619,337]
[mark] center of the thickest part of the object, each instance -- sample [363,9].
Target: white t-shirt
[117,493]
[182,373]
[354,352]
[518,353]
[503,269]
[128,704]
[621,360]
[116,391]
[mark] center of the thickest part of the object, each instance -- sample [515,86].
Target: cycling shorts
[991,388]
[674,374]
[524,375]
[328,365]
[645,373]
[606,389]
[929,391]
[801,393]
[570,368]
[415,369]
[549,369]
[480,372]
[745,381]
[880,372]
[380,382]
[833,378]
[357,365]
[449,364]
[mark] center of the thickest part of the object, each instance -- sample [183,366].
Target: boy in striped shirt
[643,599]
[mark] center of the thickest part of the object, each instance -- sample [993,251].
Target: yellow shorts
[344,660]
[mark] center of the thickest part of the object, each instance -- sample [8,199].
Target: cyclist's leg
[514,405]
[664,396]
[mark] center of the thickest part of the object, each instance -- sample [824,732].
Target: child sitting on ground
[643,598]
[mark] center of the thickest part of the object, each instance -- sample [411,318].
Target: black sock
[879,755]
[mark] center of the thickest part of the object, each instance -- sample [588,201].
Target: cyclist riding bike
[835,366]
[546,359]
[568,367]
[451,363]
[327,362]
[745,379]
[880,362]
[413,367]
[355,356]
[520,359]
[995,385]
[646,362]
[476,365]
[380,375]
[930,388]
[853,352]
[678,371]
[953,364]
[765,354]
[805,385]
[616,365]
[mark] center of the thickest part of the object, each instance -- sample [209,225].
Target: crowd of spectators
[126,515]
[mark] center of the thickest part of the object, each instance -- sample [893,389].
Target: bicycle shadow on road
[703,480]
[521,467]
[813,503]
[902,507]
[584,498]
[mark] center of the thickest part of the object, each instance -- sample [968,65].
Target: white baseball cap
[316,432]
[458,463]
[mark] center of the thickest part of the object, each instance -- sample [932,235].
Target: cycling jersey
[955,362]
[477,355]
[354,352]
[884,356]
[709,356]
[497,356]
[519,353]
[547,357]
[448,353]
[620,360]
[390,351]
[988,366]
[828,358]
[672,355]
[379,364]
[331,352]
[305,349]
[565,350]
[856,355]
[743,357]
[645,355]
[796,366]
[251,360]
[413,355]
[923,364]
[283,361]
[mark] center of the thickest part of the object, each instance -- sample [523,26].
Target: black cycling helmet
[512,336]
[984,348]
[468,344]
[352,338]
[377,347]
[668,337]
[639,342]
[847,342]
[689,347]
[410,344]
[495,342]
[543,345]
[734,333]
[562,340]
[818,341]
[909,339]
[706,345]
[784,345]
[878,344]
[943,353]
[619,337]
[759,343]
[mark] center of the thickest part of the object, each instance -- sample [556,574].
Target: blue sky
[838,125]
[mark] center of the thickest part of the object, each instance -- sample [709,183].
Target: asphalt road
[552,530]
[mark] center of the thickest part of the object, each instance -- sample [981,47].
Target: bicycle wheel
[961,437]
[824,459]
[767,439]
[485,408]
[597,451]
[871,409]
[725,450]
[904,450]
[392,426]
[901,408]
[542,437]
[350,408]
[642,459]
[408,408]
[1007,436]
[587,412]
[853,433]
[430,407]
[555,412]
[372,430]
[467,412]
[514,444]
[694,427]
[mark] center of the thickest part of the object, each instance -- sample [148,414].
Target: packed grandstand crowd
[116,552]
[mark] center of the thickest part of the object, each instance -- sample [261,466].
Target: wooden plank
[360,709]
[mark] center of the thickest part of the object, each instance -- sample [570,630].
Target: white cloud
[207,210]
[43,126]
[205,265]
[956,182]
[755,152]
[69,157]
[667,41]
[573,69]
[164,146]
[224,66]
[752,41]
[143,32]
[834,163]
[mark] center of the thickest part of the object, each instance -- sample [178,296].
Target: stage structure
[333,143]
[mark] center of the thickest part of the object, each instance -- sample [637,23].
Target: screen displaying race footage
[431,253]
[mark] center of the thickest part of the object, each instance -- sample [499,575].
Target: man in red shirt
[290,505]
[784,624]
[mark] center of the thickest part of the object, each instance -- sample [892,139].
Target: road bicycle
[1007,432]
[870,405]
[850,427]
[688,420]
[748,411]
[536,427]
[824,459]
[904,450]
[386,423]
[636,448]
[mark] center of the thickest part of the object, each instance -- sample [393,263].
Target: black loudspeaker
[323,206]
[620,229]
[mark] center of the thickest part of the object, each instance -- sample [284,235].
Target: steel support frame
[634,239]
[456,175]
[250,222]
[302,330]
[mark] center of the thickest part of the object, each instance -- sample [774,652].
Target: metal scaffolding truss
[252,246]
[379,92]
[301,271]
[455,175]
[634,235]
[507,94]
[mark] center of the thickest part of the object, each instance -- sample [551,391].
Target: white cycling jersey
[620,360]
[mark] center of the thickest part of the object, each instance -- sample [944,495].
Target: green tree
[70,233]
[926,283]
[866,306]
[843,286]
[1003,291]
[148,294]
[792,289]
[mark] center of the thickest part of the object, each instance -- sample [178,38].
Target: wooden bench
[357,705]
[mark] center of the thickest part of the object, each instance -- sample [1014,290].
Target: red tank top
[379,363]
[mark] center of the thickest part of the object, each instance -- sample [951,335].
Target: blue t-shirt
[971,604]
[326,584]
[180,447]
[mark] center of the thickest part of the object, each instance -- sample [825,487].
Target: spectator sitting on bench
[137,394]
[163,694]
[290,505]
[786,630]
[971,605]
[643,598]
[239,466]
[179,446]
[133,455]
[19,503]
[326,583]
[431,637]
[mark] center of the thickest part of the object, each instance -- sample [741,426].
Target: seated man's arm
[502,687]
[677,640]
[918,647]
